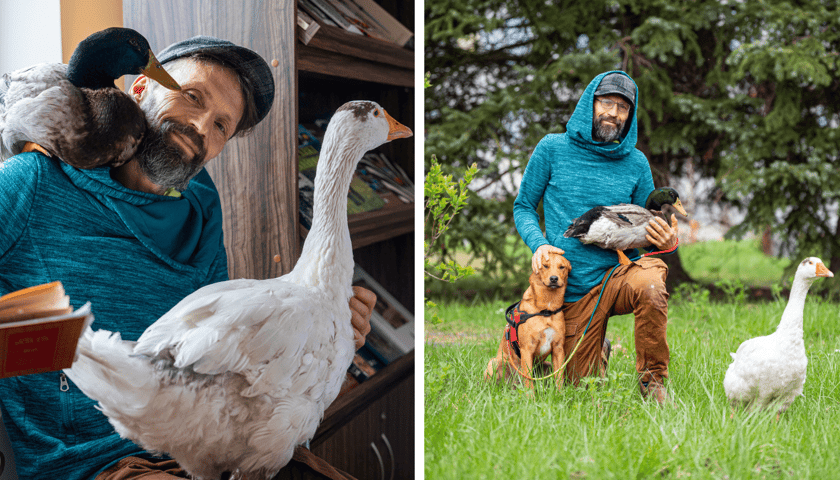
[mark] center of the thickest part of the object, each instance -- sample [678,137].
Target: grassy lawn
[604,430]
[741,261]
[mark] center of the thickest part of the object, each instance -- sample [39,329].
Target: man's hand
[542,252]
[361,305]
[662,235]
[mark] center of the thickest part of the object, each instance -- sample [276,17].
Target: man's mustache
[168,126]
[605,117]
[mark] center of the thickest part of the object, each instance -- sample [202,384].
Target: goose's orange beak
[822,271]
[679,207]
[155,71]
[397,129]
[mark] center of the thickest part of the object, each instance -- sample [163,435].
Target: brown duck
[75,112]
[623,226]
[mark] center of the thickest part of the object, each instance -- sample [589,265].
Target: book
[39,330]
[391,324]
[336,16]
[313,11]
[307,27]
[378,16]
[354,15]
[360,369]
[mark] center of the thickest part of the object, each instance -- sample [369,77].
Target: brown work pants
[304,465]
[141,468]
[638,288]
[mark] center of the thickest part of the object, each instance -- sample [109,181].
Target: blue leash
[601,293]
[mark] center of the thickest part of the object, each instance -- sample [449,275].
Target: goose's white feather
[238,373]
[770,371]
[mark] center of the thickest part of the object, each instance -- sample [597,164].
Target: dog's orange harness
[516,317]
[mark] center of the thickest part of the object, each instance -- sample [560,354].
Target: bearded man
[594,163]
[133,240]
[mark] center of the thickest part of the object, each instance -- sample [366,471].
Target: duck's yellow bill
[155,71]
[679,207]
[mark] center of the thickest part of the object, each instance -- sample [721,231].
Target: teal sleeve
[531,190]
[18,185]
[644,185]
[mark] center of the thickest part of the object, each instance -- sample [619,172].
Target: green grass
[742,261]
[605,430]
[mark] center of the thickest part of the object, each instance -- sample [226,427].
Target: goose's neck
[792,316]
[327,255]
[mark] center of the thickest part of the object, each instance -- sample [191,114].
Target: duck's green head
[664,196]
[109,54]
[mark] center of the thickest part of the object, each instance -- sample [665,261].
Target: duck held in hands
[623,226]
[75,112]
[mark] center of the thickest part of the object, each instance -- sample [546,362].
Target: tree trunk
[676,272]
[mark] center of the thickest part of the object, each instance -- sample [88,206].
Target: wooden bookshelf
[366,228]
[368,431]
[337,66]
[334,51]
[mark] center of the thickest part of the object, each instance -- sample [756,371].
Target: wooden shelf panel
[394,219]
[346,406]
[332,51]
[339,41]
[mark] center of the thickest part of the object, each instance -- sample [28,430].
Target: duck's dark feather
[39,104]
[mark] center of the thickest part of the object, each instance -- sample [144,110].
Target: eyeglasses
[608,104]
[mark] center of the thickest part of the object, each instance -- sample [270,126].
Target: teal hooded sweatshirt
[133,255]
[571,173]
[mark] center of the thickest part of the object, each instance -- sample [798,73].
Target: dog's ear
[567,264]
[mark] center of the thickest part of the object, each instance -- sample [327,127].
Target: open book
[39,330]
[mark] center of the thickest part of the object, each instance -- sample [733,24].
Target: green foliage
[745,90]
[734,290]
[445,198]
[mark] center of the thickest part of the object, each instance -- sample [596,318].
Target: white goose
[238,373]
[770,370]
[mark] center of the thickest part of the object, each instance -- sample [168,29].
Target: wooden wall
[253,172]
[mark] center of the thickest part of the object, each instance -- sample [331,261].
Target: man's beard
[162,160]
[604,133]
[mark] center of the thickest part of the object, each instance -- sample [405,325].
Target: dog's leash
[569,357]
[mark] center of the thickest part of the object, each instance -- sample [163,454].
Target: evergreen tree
[745,91]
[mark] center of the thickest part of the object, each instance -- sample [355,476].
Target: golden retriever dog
[537,328]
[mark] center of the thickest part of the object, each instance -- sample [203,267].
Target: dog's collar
[516,317]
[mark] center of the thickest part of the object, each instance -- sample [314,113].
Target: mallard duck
[622,227]
[770,370]
[240,372]
[75,112]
